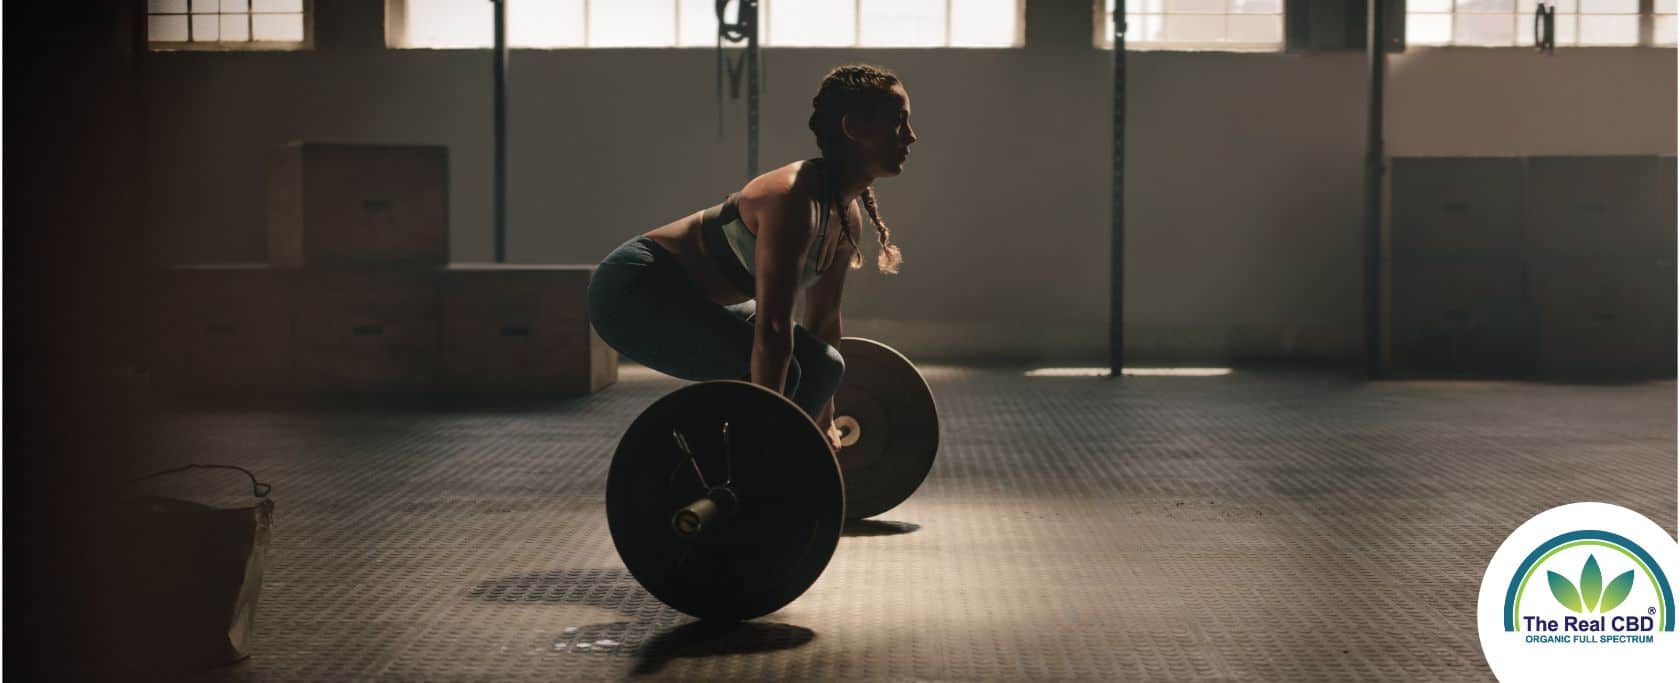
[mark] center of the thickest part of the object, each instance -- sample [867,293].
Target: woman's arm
[822,307]
[784,221]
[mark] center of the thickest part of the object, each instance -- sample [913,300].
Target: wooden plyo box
[223,329]
[521,329]
[366,331]
[333,205]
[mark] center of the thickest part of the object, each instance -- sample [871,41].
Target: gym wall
[1244,225]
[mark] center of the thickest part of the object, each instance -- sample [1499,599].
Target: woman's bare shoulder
[778,192]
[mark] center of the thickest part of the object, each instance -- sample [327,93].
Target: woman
[711,295]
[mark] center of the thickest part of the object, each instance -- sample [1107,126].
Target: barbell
[726,501]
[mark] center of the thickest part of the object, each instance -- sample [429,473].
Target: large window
[1505,23]
[693,23]
[225,24]
[1235,25]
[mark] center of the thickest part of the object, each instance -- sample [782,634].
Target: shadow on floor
[877,527]
[709,639]
[658,635]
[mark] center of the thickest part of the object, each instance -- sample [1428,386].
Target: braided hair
[851,89]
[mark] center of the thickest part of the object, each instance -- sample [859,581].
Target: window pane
[632,23]
[538,23]
[1429,29]
[1138,6]
[1145,28]
[295,6]
[167,7]
[1526,7]
[901,23]
[1486,6]
[983,23]
[450,23]
[279,27]
[1663,33]
[812,23]
[1194,6]
[1665,6]
[1485,29]
[1262,29]
[236,27]
[1195,28]
[1416,6]
[205,27]
[167,29]
[235,6]
[1609,6]
[1257,6]
[1609,29]
[205,6]
[697,22]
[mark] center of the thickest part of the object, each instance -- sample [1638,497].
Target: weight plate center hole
[850,431]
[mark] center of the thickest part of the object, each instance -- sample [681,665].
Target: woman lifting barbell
[711,295]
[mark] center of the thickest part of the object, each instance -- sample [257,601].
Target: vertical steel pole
[749,17]
[1117,208]
[1377,53]
[499,74]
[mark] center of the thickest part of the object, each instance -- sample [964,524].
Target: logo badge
[1580,590]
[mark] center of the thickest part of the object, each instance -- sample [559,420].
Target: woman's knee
[823,364]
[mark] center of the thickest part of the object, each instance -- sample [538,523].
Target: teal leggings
[644,305]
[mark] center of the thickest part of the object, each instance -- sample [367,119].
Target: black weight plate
[898,427]
[787,523]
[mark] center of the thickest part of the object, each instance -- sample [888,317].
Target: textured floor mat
[1259,526]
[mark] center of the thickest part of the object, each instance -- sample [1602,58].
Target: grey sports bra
[732,245]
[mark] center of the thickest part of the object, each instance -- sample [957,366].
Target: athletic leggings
[644,305]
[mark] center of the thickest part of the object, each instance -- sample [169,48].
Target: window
[1234,25]
[693,23]
[226,24]
[1508,23]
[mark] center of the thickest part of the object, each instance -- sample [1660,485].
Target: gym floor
[1262,525]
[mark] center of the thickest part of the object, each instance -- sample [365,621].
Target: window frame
[308,42]
[1647,33]
[1101,39]
[396,33]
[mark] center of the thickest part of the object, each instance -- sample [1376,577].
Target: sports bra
[732,245]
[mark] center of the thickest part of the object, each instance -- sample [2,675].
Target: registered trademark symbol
[1650,610]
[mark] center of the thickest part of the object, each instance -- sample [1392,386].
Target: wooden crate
[1610,315]
[1597,205]
[358,205]
[223,329]
[367,331]
[1455,205]
[521,329]
[1463,316]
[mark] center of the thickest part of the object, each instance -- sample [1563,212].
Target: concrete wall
[1244,170]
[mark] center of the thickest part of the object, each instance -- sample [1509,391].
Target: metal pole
[749,17]
[1117,208]
[1377,53]
[500,62]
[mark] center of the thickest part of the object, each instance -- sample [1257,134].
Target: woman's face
[882,138]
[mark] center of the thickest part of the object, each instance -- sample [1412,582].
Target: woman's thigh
[668,325]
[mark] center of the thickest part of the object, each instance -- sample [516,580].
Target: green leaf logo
[1564,591]
[1593,593]
[1617,591]
[1591,583]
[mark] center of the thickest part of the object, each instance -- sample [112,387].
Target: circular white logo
[1581,590]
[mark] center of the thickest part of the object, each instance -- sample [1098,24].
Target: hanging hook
[1545,28]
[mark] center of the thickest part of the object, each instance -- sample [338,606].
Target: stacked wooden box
[1533,266]
[358,295]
